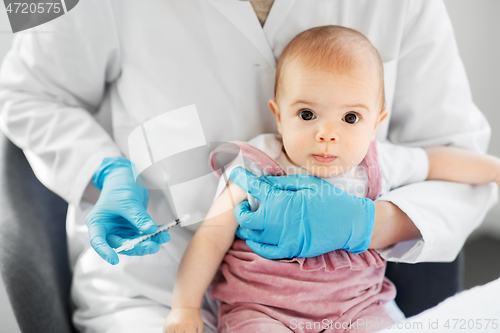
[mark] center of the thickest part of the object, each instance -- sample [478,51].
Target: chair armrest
[33,250]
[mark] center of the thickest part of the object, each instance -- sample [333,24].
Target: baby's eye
[351,118]
[306,115]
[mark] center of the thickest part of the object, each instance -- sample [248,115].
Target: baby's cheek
[298,157]
[293,145]
[356,152]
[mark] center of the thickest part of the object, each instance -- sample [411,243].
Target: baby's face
[327,120]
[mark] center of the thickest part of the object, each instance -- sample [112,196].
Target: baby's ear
[273,106]
[381,116]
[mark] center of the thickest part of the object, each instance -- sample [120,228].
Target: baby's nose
[326,136]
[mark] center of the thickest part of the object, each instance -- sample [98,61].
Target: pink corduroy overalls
[335,292]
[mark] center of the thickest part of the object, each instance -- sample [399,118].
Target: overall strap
[373,171]
[249,152]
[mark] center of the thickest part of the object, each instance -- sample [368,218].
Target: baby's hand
[183,320]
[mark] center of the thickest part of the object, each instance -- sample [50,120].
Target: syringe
[130,244]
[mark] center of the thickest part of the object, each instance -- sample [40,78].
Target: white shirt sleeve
[52,82]
[401,165]
[433,106]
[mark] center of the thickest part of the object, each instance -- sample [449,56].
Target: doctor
[70,97]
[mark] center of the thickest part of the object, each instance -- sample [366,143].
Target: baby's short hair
[333,48]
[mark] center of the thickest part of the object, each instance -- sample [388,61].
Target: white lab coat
[71,95]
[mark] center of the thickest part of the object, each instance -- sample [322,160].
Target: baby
[329,103]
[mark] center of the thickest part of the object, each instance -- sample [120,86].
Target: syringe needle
[130,244]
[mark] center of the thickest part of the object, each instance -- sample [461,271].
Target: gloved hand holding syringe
[120,213]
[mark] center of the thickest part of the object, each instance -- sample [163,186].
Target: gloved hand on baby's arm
[120,212]
[301,216]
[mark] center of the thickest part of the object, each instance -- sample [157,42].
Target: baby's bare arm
[460,165]
[207,249]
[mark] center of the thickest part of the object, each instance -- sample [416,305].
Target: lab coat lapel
[242,15]
[277,15]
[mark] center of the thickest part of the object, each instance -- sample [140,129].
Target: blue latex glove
[120,212]
[301,216]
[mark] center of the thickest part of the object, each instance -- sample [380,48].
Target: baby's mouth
[324,158]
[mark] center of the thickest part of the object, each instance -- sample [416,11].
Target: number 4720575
[32,8]
[470,324]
